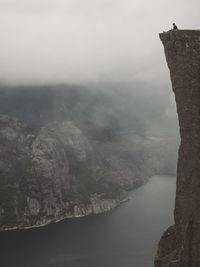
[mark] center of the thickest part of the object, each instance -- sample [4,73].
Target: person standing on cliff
[175,27]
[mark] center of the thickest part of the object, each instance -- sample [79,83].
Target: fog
[106,45]
[139,109]
[90,41]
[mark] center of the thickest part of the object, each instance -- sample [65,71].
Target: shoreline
[118,203]
[91,211]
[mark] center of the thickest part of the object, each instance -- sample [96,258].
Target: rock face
[180,244]
[69,152]
[56,172]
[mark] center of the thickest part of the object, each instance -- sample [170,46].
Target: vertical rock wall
[180,244]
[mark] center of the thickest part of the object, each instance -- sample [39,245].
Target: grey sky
[48,41]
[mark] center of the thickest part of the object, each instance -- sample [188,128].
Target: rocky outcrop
[180,244]
[56,172]
[68,151]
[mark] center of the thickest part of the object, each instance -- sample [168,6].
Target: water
[124,237]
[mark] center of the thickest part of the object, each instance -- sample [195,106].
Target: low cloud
[62,41]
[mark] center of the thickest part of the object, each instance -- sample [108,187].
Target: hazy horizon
[91,41]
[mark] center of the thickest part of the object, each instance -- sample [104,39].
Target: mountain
[180,244]
[68,151]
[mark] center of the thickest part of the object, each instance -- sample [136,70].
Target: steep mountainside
[68,152]
[180,244]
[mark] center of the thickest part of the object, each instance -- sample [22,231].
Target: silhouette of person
[175,27]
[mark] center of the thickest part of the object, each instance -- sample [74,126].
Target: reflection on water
[125,237]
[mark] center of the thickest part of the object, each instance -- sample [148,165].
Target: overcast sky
[58,41]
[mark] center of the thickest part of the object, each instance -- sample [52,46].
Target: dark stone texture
[180,245]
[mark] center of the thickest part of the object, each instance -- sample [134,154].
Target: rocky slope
[56,172]
[180,244]
[50,174]
[67,152]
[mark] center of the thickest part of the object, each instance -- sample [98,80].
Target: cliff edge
[180,244]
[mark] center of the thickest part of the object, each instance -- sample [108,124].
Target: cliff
[69,151]
[52,173]
[57,171]
[180,244]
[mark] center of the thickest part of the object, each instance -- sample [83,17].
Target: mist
[91,41]
[141,109]
[99,64]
